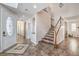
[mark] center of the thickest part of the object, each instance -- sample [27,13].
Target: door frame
[24,29]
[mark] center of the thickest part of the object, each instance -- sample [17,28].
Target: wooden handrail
[58,21]
[56,32]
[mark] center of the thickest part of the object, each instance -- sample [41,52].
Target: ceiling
[68,10]
[14,5]
[26,9]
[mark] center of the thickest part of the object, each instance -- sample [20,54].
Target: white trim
[1,31]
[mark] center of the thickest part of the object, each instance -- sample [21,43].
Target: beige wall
[0,27]
[43,23]
[61,34]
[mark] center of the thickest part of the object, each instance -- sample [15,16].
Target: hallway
[43,49]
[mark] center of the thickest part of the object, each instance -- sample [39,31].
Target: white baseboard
[7,48]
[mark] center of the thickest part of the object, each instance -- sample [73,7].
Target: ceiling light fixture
[34,6]
[23,16]
[26,9]
[61,5]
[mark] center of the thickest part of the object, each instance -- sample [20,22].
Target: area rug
[18,49]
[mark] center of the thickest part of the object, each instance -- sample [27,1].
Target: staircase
[52,34]
[49,37]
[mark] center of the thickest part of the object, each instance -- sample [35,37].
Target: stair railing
[56,29]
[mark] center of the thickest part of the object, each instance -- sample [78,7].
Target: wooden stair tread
[48,35]
[51,36]
[51,30]
[48,38]
[47,41]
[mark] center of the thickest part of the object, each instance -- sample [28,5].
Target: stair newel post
[60,21]
[55,39]
[51,21]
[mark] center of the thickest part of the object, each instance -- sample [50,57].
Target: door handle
[4,34]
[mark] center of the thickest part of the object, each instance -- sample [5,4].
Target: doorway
[21,31]
[21,40]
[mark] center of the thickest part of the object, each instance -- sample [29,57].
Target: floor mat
[18,49]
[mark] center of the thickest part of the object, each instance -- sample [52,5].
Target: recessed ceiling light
[34,6]
[23,15]
[26,9]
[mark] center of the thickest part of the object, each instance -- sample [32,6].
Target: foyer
[42,29]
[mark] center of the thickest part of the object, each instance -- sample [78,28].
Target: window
[73,27]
